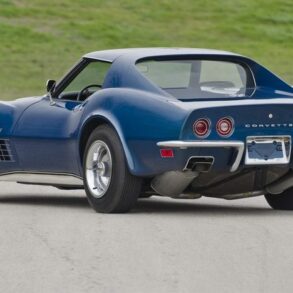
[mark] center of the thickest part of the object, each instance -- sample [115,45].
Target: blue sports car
[129,123]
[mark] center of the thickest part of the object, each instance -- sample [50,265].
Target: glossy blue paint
[46,137]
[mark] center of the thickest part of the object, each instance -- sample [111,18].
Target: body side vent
[5,151]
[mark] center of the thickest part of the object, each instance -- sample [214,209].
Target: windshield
[199,79]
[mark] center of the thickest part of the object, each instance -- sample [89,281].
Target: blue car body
[44,138]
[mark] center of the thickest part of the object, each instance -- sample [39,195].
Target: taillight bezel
[207,122]
[230,122]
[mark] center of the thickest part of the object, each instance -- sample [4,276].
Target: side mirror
[50,85]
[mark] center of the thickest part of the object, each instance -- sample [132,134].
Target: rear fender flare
[106,118]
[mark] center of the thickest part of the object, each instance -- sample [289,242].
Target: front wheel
[283,201]
[108,183]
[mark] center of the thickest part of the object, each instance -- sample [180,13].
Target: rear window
[191,79]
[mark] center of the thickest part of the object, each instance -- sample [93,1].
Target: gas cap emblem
[271,115]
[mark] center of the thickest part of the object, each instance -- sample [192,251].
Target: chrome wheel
[98,168]
[109,186]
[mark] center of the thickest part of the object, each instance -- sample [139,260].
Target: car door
[46,134]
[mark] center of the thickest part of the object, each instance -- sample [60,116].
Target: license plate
[268,150]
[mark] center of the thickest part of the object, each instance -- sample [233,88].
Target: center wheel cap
[101,168]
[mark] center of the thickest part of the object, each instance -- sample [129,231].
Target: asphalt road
[52,241]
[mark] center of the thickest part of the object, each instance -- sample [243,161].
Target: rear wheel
[108,183]
[283,201]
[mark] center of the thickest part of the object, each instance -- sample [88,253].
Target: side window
[93,74]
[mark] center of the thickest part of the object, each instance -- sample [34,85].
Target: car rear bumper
[238,146]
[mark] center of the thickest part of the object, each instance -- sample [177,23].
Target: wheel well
[86,132]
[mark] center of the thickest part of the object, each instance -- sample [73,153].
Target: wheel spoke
[99,186]
[108,170]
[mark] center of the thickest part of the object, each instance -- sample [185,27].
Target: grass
[42,39]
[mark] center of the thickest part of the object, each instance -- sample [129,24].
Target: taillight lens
[201,127]
[225,126]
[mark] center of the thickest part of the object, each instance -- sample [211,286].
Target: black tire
[124,188]
[283,201]
[145,195]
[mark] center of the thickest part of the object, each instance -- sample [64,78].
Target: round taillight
[201,127]
[225,126]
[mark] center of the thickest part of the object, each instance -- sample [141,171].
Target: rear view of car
[236,140]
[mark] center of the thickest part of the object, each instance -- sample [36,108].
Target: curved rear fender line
[93,121]
[123,110]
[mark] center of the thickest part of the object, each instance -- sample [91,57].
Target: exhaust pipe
[173,183]
[280,185]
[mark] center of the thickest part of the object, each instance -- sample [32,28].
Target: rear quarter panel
[141,119]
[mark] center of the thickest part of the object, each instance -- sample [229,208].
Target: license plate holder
[270,150]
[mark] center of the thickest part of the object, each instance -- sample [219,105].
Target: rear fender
[106,118]
[140,120]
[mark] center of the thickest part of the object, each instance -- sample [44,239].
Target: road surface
[52,241]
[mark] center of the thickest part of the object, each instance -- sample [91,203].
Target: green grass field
[42,39]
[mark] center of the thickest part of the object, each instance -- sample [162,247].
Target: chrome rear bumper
[237,145]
